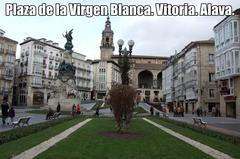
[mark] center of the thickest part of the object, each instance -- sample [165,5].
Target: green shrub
[25,131]
[208,132]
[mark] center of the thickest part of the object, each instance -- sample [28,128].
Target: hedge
[17,133]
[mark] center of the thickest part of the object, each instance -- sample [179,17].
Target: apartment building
[84,75]
[192,80]
[7,59]
[39,62]
[227,60]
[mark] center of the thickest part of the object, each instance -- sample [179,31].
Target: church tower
[107,46]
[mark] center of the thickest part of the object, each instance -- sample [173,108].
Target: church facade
[145,74]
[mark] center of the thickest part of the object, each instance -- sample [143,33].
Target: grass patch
[88,143]
[44,111]
[17,146]
[221,142]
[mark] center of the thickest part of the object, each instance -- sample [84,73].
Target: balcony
[45,56]
[57,59]
[27,53]
[51,57]
[38,85]
[8,77]
[1,50]
[44,65]
[4,90]
[56,67]
[11,52]
[26,63]
[225,91]
[50,67]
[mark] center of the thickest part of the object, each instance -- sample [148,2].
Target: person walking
[97,111]
[151,110]
[5,107]
[58,107]
[73,110]
[78,109]
[11,114]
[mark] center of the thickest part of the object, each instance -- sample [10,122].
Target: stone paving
[35,118]
[225,125]
[204,148]
[36,150]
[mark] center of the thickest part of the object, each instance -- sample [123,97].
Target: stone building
[145,74]
[7,59]
[227,60]
[39,62]
[192,83]
[106,71]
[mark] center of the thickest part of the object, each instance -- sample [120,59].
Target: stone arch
[145,79]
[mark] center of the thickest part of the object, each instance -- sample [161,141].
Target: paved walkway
[36,150]
[35,118]
[204,148]
[224,125]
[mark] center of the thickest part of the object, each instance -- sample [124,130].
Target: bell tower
[107,46]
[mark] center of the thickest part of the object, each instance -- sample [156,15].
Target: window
[211,58]
[211,93]
[211,77]
[235,25]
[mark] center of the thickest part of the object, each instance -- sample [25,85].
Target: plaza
[127,102]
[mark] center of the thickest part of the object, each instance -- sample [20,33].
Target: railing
[50,66]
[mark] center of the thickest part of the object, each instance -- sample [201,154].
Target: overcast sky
[153,35]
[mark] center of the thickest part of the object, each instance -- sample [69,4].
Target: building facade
[106,71]
[227,60]
[39,62]
[7,59]
[146,76]
[192,84]
[145,73]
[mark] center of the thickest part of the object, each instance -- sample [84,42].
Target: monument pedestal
[66,94]
[65,91]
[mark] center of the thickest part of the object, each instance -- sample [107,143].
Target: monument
[65,91]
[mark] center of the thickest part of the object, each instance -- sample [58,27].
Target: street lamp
[125,51]
[123,61]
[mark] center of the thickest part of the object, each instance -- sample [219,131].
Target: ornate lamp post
[124,60]
[125,51]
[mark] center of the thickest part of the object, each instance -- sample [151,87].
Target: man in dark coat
[58,107]
[5,107]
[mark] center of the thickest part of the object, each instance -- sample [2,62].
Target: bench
[21,120]
[199,121]
[55,115]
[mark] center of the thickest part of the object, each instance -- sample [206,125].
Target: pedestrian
[58,107]
[73,110]
[78,109]
[151,110]
[5,107]
[11,114]
[97,111]
[49,113]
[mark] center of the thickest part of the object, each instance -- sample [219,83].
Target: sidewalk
[228,126]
